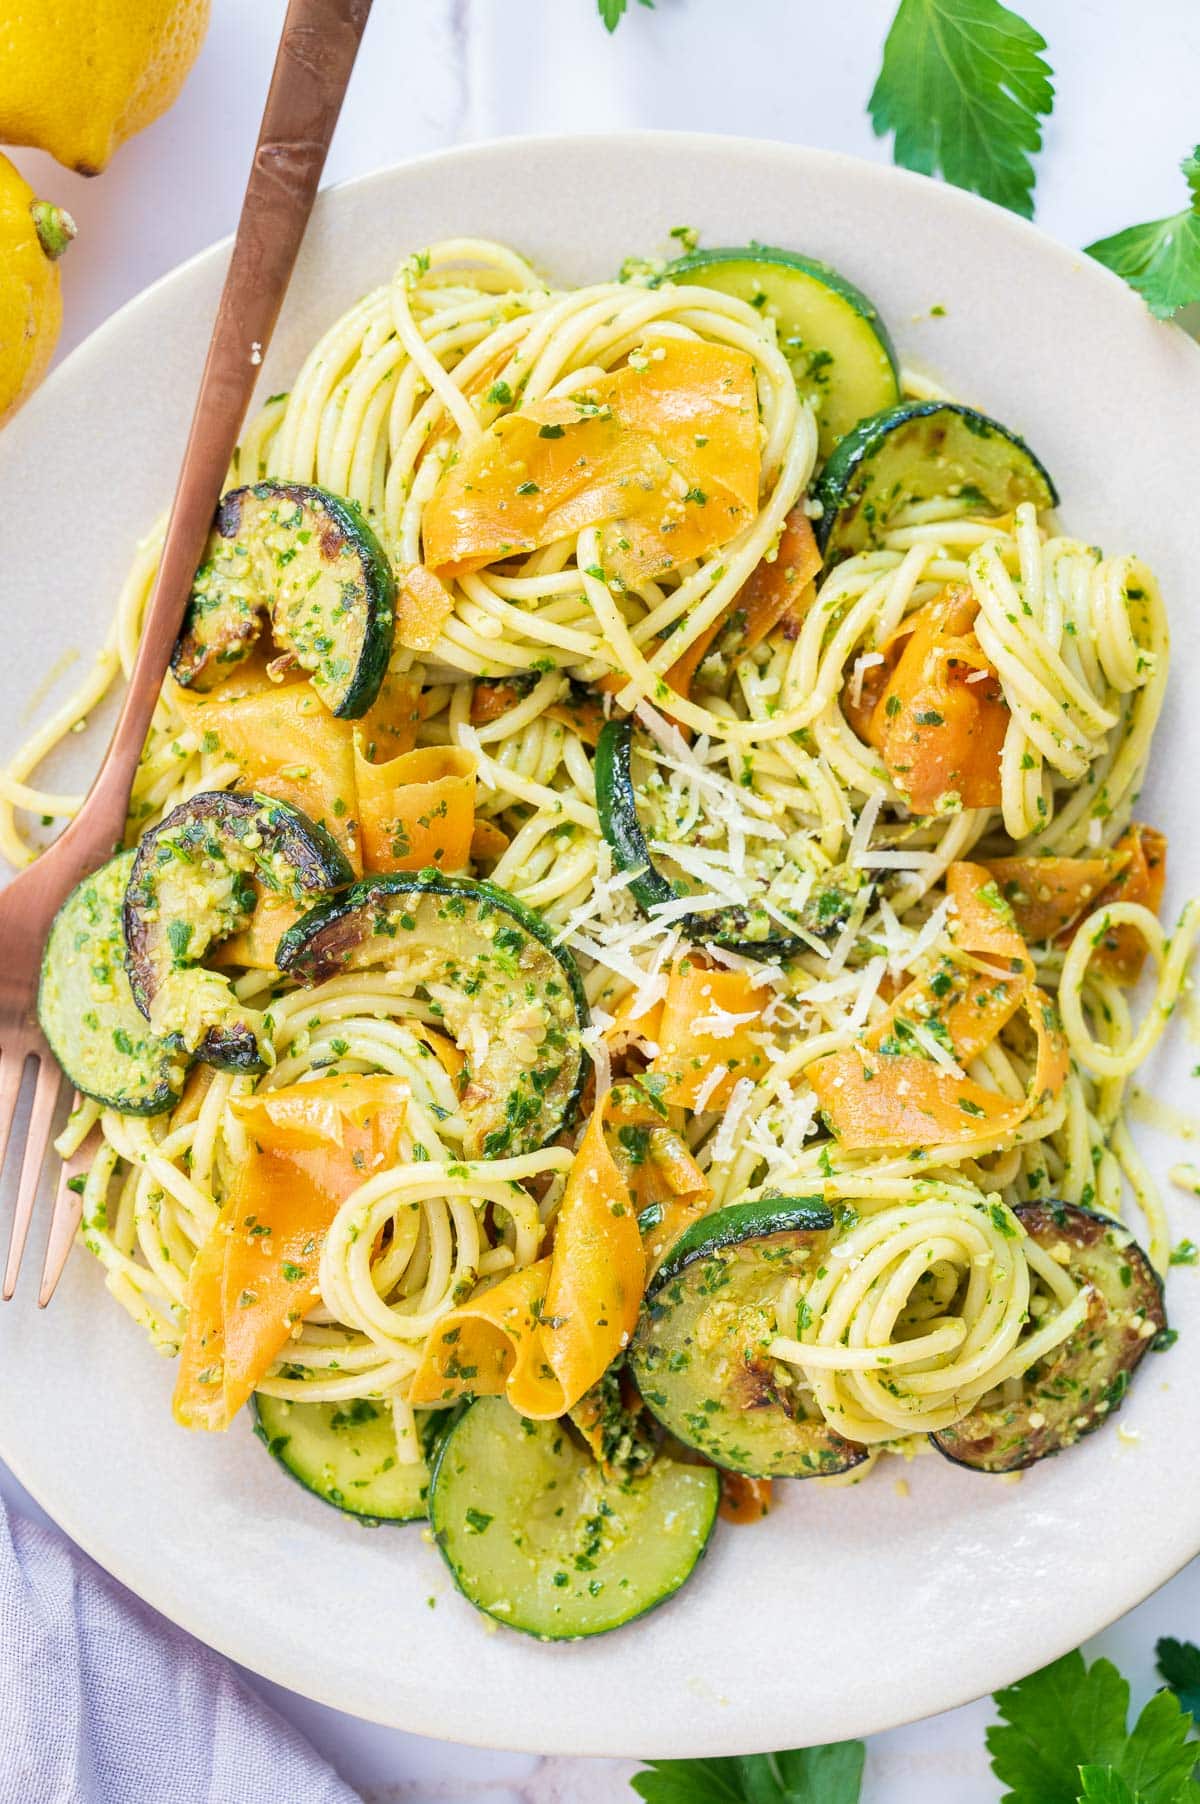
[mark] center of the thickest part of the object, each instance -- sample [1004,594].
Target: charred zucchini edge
[330,521]
[684,1386]
[296,956]
[103,1044]
[842,486]
[1025,1445]
[306,861]
[616,805]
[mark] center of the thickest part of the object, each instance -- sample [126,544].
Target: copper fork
[317,48]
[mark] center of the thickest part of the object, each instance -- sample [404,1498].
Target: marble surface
[449,71]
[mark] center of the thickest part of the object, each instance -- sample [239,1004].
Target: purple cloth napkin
[104,1702]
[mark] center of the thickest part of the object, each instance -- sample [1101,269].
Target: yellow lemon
[78,77]
[33,235]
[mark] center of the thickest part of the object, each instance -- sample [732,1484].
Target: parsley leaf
[613,11]
[1104,1785]
[691,1782]
[1158,1758]
[1179,1664]
[1064,1739]
[1162,258]
[964,88]
[1054,1722]
[826,1775]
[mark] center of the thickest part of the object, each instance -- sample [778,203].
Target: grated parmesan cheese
[739,1101]
[722,1023]
[865,826]
[868,988]
[777,1135]
[596,1046]
[932,1046]
[705,1090]
[867,661]
[759,972]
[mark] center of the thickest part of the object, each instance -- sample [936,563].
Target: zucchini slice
[490,967]
[751,930]
[86,1009]
[345,1454]
[699,1353]
[192,884]
[1080,1385]
[841,354]
[307,561]
[538,1537]
[920,451]
[616,804]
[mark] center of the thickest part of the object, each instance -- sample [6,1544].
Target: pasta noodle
[874,1383]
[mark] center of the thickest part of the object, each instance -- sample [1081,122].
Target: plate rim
[692,141]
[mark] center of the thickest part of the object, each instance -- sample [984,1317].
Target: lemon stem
[54,226]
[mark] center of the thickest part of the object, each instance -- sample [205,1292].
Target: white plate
[844,1612]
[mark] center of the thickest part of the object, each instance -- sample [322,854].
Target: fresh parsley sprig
[1161,259]
[964,87]
[1179,1666]
[613,11]
[1063,1738]
[826,1775]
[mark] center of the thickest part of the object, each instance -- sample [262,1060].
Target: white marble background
[439,72]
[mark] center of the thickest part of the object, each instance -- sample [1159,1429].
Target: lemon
[78,77]
[33,235]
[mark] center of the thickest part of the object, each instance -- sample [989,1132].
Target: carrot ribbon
[776,587]
[417,809]
[667,446]
[255,1277]
[707,1021]
[940,718]
[544,1335]
[887,1091]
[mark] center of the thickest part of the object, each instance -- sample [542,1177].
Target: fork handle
[317,48]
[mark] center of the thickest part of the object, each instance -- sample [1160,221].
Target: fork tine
[12,1070]
[41,1119]
[64,1223]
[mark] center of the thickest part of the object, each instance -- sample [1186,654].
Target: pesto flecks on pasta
[629,922]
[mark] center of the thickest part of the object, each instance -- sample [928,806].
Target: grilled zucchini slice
[751,930]
[193,883]
[616,804]
[1080,1385]
[537,1535]
[86,1009]
[345,1454]
[921,451]
[830,332]
[308,562]
[699,1353]
[489,965]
